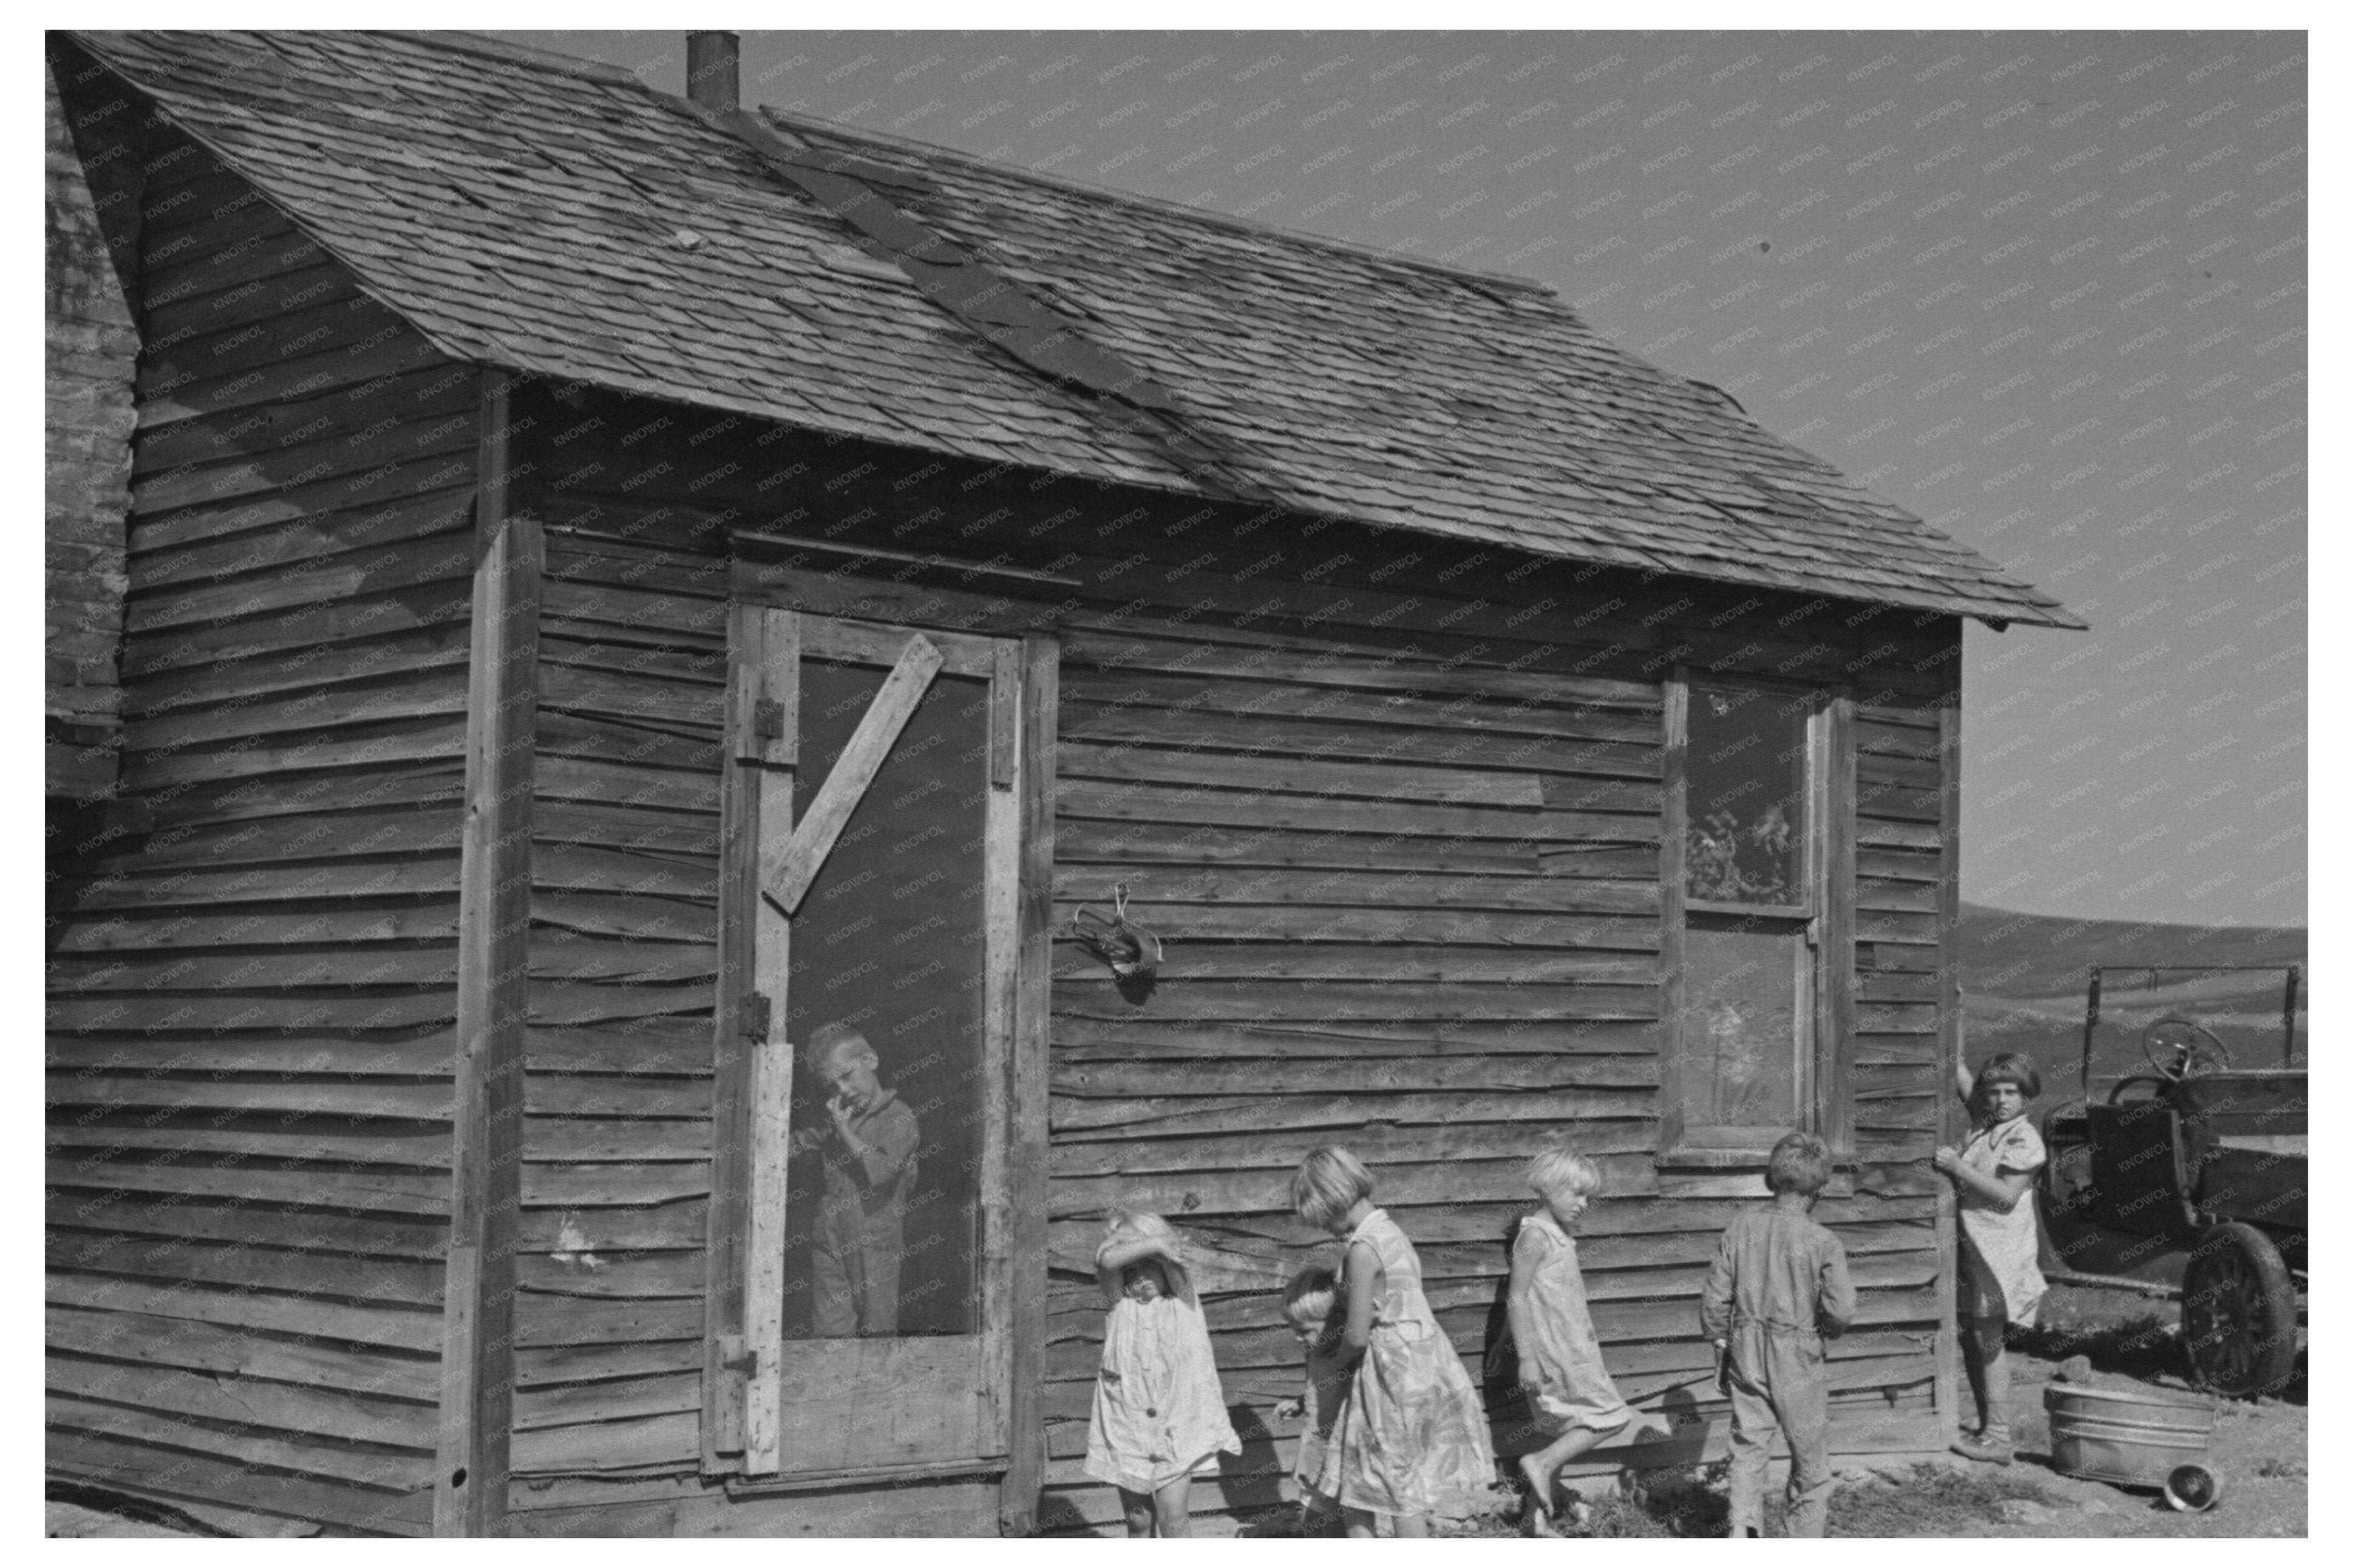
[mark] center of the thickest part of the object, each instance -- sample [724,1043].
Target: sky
[2045,290]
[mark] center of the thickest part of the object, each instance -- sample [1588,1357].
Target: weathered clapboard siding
[1408,874]
[1340,781]
[1902,1082]
[624,953]
[90,347]
[251,1007]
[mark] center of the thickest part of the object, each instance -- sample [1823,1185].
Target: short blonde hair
[1328,1183]
[1311,1296]
[1559,1168]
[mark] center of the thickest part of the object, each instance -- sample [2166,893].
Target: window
[1757,871]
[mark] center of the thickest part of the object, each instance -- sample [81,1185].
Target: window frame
[1825,922]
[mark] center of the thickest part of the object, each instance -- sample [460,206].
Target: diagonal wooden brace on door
[786,875]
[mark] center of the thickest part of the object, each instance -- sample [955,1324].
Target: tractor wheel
[2238,1313]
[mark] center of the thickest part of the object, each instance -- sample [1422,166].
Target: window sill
[819,1481]
[1720,907]
[1740,1157]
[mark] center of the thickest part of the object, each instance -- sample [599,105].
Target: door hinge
[734,1355]
[758,1015]
[769,718]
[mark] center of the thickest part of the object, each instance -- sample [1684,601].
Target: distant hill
[2023,978]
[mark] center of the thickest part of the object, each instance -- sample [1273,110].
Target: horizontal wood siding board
[374,1236]
[1196,960]
[1338,887]
[1185,730]
[1089,799]
[243,1352]
[1329,1002]
[1079,1039]
[169,1473]
[1163,1154]
[1129,762]
[1079,841]
[625,1443]
[571,1323]
[299,1186]
[1280,1077]
[247,1401]
[1175,653]
[336,621]
[183,1262]
[1087,691]
[269,543]
[246,1305]
[324,581]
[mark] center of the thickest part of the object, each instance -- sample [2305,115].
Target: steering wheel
[2180,1047]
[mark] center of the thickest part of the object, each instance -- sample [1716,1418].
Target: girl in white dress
[1160,1413]
[2000,1282]
[1570,1396]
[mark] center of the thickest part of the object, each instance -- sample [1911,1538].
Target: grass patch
[2281,1469]
[1932,1500]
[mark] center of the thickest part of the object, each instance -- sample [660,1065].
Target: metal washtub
[2131,1436]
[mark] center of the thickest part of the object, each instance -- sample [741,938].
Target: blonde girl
[1569,1395]
[2001,1284]
[1159,1415]
[1413,1436]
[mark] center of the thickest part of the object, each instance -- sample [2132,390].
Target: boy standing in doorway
[869,1162]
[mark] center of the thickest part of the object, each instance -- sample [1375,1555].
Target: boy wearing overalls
[1778,1284]
[869,1162]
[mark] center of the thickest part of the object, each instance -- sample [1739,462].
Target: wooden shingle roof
[559,217]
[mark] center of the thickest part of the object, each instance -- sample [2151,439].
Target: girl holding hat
[1160,1413]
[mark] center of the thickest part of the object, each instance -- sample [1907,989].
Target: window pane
[1740,1027]
[889,942]
[1744,796]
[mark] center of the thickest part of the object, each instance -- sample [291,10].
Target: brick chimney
[714,72]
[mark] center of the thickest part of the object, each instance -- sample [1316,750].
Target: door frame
[759,762]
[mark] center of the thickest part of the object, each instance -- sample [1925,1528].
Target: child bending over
[1319,1319]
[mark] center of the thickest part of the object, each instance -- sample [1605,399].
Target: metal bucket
[2131,1436]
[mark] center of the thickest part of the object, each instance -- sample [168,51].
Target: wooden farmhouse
[602,585]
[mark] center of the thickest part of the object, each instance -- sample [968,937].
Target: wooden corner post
[1025,1474]
[469,1485]
[1948,1034]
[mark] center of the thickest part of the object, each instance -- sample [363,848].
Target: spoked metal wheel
[2238,1313]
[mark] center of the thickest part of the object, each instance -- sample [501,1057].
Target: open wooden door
[875,876]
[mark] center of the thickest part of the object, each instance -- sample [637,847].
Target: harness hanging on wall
[1131,952]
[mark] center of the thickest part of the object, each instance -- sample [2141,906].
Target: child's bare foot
[1536,1518]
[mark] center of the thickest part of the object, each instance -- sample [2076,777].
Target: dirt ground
[2258,1448]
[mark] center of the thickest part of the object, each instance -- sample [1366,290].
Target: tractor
[2192,1161]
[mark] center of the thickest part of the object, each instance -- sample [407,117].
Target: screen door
[880,986]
